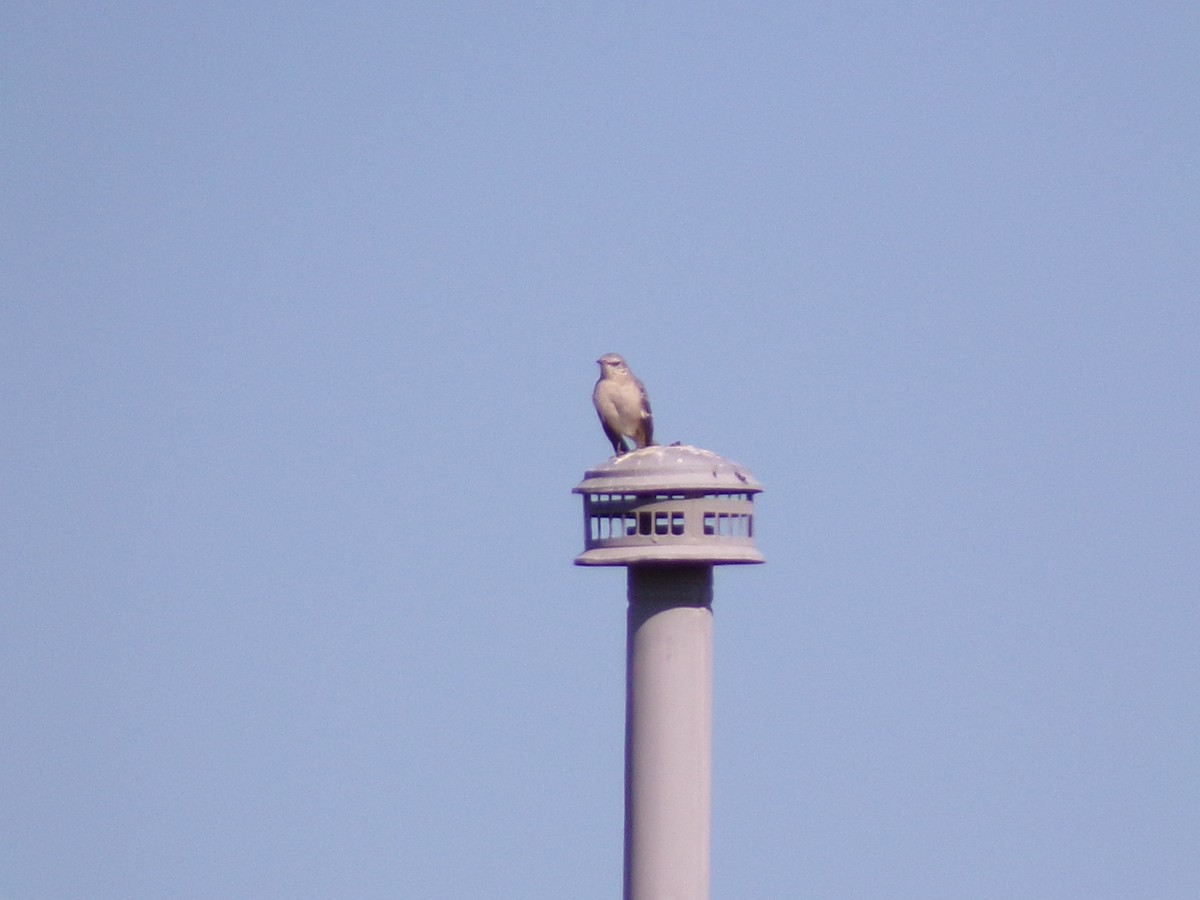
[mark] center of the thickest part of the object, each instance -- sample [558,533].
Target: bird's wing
[647,415]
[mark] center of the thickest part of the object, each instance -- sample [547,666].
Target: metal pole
[668,732]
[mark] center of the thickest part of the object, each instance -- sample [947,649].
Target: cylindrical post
[668,732]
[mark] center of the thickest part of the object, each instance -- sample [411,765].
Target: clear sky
[299,308]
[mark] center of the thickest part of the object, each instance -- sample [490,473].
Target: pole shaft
[668,733]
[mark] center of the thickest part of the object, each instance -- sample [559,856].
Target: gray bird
[622,405]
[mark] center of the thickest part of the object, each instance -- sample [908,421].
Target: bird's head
[612,364]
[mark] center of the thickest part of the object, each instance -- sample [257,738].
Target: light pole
[669,514]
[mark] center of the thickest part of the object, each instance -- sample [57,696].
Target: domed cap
[677,467]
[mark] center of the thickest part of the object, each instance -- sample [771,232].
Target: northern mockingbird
[622,405]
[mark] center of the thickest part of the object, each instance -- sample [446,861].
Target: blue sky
[298,312]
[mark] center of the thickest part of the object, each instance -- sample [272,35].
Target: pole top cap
[668,505]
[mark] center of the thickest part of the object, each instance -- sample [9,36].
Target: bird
[622,405]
